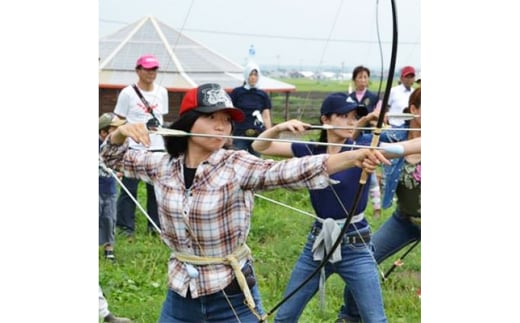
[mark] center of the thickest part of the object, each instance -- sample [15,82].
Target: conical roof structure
[184,62]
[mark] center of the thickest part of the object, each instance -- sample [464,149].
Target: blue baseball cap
[340,103]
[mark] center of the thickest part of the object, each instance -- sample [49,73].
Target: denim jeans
[126,207]
[357,268]
[210,308]
[107,218]
[393,235]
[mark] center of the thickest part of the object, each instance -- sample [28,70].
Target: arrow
[330,127]
[390,148]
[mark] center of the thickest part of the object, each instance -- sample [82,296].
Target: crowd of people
[200,191]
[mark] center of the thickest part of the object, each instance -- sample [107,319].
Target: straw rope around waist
[232,259]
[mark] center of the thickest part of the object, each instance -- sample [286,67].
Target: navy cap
[340,103]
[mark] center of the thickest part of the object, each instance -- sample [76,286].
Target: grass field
[304,104]
[307,85]
[135,285]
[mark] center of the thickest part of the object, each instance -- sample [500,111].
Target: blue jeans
[394,234]
[126,207]
[107,218]
[210,308]
[357,268]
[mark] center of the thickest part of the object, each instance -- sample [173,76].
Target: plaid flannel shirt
[217,208]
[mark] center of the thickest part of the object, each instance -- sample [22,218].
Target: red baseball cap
[407,70]
[209,98]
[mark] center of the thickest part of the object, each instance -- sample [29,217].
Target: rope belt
[232,260]
[324,241]
[355,219]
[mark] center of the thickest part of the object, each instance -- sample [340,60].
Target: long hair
[323,132]
[415,98]
[176,146]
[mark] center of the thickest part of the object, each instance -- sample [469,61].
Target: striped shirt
[216,209]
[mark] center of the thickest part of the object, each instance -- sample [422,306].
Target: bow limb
[364,174]
[375,137]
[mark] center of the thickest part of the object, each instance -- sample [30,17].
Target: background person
[256,105]
[370,101]
[399,95]
[105,313]
[108,122]
[131,107]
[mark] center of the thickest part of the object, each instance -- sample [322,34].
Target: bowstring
[174,47]
[320,63]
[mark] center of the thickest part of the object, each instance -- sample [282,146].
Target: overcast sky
[289,32]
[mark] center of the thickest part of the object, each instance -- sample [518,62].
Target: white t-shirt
[130,106]
[398,100]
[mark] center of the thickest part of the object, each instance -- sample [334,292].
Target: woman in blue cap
[353,260]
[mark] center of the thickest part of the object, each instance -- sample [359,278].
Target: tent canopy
[185,63]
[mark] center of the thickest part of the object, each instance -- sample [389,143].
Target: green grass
[305,103]
[135,285]
[305,85]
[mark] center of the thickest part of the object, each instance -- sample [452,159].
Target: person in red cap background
[399,95]
[130,106]
[206,196]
